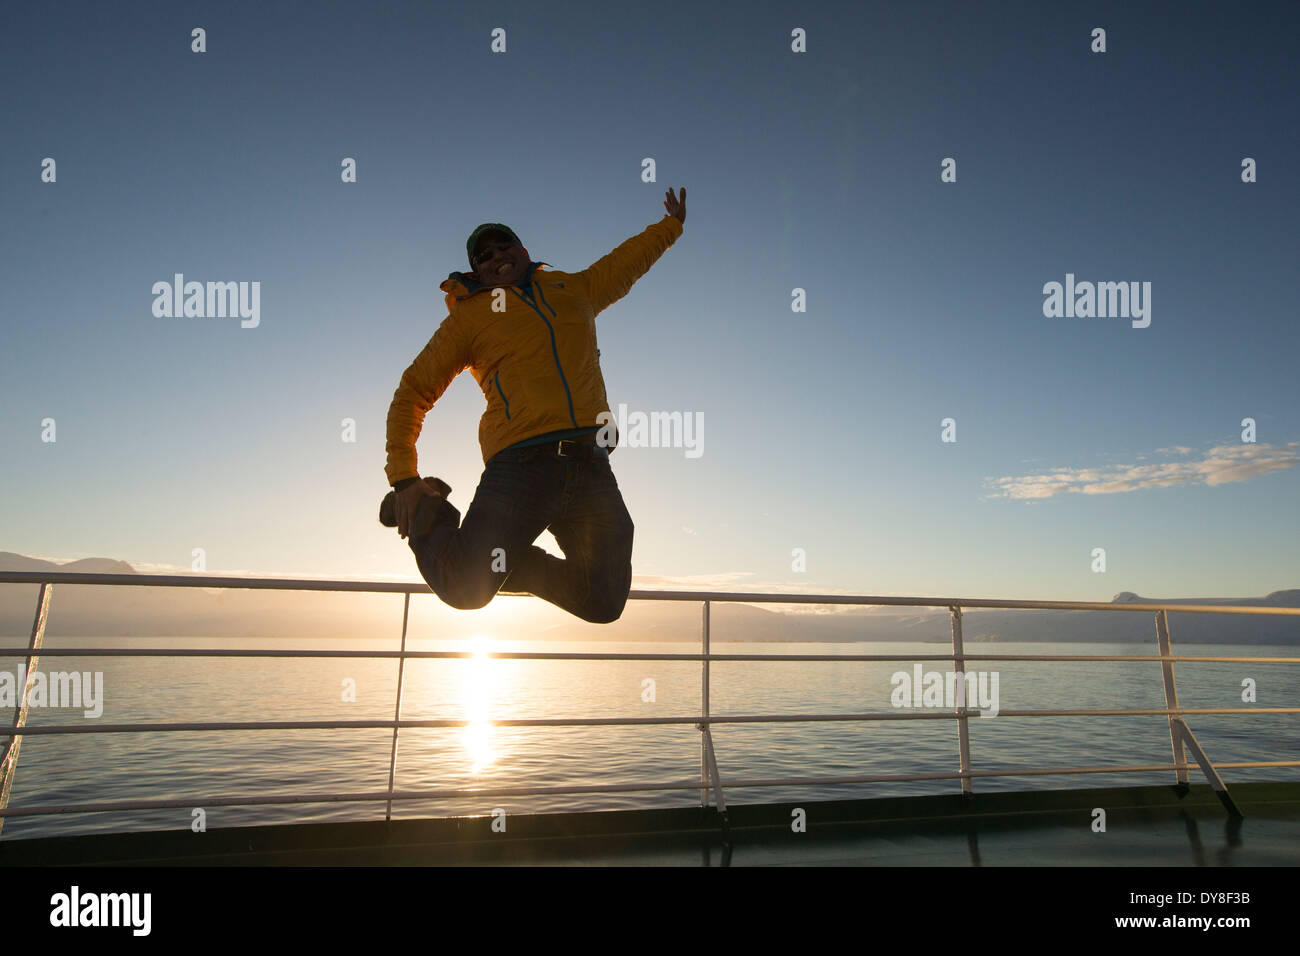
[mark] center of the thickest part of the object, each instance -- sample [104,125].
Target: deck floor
[1172,843]
[1146,826]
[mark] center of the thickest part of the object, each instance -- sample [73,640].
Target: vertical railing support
[397,711]
[9,755]
[708,759]
[1171,695]
[704,708]
[963,730]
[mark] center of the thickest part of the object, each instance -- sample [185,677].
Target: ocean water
[79,768]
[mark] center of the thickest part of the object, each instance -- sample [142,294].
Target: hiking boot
[388,507]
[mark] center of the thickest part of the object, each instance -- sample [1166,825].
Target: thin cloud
[722,581]
[747,582]
[1218,466]
[161,568]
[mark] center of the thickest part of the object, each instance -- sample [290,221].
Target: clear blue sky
[818,170]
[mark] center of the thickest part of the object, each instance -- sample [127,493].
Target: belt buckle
[559,447]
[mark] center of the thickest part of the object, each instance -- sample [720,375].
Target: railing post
[963,730]
[9,756]
[704,708]
[1171,695]
[397,712]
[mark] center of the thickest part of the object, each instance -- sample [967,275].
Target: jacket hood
[462,285]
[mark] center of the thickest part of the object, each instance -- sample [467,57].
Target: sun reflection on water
[481,675]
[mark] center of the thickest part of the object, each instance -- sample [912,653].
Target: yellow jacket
[536,361]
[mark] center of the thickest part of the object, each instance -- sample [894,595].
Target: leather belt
[582,448]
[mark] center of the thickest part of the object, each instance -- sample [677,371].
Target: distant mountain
[144,611]
[1029,625]
[91,610]
[19,562]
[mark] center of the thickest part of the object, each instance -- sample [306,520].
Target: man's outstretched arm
[612,276]
[444,357]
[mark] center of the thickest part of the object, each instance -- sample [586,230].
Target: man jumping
[528,335]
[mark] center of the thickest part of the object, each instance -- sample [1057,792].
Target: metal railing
[710,780]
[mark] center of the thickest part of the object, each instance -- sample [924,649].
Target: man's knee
[466,595]
[606,607]
[604,613]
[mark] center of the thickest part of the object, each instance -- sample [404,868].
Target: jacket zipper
[555,352]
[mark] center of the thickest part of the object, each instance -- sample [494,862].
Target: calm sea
[79,768]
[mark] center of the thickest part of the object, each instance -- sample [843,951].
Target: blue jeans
[523,492]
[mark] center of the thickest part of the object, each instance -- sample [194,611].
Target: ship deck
[1145,826]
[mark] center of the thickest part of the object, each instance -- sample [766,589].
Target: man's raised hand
[676,207]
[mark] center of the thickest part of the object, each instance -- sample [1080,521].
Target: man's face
[502,266]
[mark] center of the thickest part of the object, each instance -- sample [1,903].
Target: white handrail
[1180,733]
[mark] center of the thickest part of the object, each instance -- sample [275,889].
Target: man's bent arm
[444,357]
[612,276]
